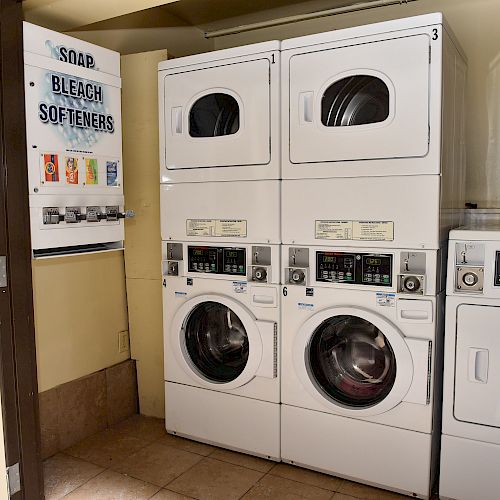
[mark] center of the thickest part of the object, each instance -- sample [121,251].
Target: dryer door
[360,102]
[477,365]
[219,343]
[217,116]
[353,361]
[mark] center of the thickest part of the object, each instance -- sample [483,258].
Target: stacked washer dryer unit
[372,181]
[220,225]
[470,451]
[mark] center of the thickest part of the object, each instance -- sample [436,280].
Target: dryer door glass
[355,100]
[214,115]
[216,342]
[351,361]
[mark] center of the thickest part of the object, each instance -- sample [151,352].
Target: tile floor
[137,460]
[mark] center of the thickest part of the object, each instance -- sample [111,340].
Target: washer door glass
[216,342]
[351,361]
[355,100]
[214,115]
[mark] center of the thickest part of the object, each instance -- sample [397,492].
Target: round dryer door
[218,343]
[354,361]
[214,115]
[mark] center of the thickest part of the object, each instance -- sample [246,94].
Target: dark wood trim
[17,336]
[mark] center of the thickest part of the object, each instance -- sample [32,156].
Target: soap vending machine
[73,126]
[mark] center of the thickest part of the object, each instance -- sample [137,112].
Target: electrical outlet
[123,342]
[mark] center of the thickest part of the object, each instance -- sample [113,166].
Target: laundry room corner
[142,234]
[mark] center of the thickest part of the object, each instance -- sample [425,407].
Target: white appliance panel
[402,64]
[246,211]
[249,84]
[387,212]
[242,424]
[477,365]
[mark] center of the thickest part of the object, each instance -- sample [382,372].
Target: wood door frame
[18,374]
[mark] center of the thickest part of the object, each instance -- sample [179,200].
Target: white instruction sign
[216,228]
[333,230]
[386,299]
[240,286]
[354,230]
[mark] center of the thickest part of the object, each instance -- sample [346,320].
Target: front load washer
[219,115]
[470,450]
[360,364]
[376,100]
[221,333]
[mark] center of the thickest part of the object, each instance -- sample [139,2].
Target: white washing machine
[219,115]
[360,364]
[221,332]
[377,100]
[470,449]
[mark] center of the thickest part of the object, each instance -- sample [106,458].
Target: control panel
[355,268]
[217,260]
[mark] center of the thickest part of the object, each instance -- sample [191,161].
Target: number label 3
[435,35]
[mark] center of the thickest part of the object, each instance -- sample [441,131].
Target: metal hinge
[429,372]
[13,479]
[275,349]
[429,54]
[3,271]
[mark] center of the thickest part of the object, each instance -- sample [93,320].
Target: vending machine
[74,143]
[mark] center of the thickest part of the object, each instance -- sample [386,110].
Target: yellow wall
[142,234]
[476,25]
[80,306]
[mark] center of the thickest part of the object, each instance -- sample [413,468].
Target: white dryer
[360,364]
[219,115]
[369,100]
[470,449]
[221,332]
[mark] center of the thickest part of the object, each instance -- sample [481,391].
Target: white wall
[476,25]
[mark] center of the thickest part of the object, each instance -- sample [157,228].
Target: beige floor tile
[140,427]
[341,496]
[113,486]
[106,448]
[215,480]
[365,492]
[279,488]
[157,464]
[169,495]
[242,459]
[63,474]
[186,444]
[306,476]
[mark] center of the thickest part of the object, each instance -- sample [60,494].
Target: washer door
[217,342]
[353,361]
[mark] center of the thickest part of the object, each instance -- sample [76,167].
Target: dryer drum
[214,115]
[355,100]
[216,342]
[351,361]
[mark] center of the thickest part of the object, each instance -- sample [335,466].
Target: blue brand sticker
[180,294]
[304,305]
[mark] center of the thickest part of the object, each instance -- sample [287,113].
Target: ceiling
[90,15]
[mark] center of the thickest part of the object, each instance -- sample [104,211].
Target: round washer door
[216,341]
[353,361]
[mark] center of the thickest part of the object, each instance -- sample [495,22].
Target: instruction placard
[218,228]
[354,230]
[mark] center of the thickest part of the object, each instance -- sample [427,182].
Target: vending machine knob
[260,274]
[412,284]
[298,276]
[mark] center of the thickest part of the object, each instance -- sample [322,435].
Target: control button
[470,279]
[411,284]
[297,276]
[227,268]
[260,274]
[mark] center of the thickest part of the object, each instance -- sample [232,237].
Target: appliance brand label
[354,230]
[217,228]
[307,307]
[240,286]
[386,299]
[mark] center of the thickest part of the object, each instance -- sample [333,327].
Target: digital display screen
[373,262]
[329,258]
[231,253]
[197,252]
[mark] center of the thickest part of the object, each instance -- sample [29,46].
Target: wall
[80,306]
[142,234]
[475,24]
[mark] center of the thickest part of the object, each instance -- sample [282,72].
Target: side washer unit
[385,102]
[470,450]
[221,331]
[361,354]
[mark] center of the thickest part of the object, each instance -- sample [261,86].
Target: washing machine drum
[355,100]
[216,342]
[351,361]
